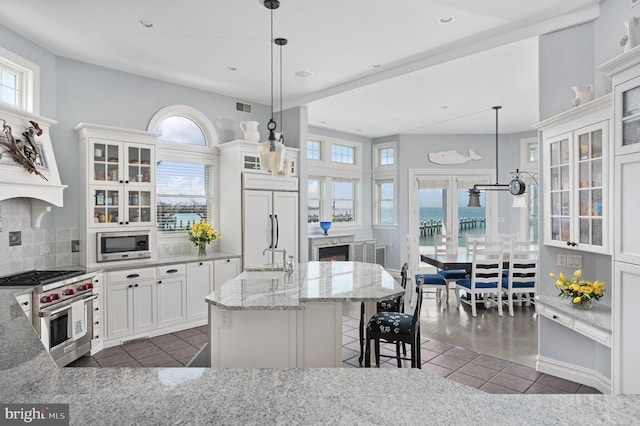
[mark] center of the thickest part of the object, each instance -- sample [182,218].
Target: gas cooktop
[38,277]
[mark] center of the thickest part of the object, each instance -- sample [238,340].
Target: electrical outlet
[577,261]
[224,319]
[562,260]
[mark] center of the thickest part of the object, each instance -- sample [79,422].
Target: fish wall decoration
[452,157]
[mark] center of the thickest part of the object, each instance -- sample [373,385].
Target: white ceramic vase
[584,94]
[250,130]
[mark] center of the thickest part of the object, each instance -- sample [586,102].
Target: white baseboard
[108,343]
[574,373]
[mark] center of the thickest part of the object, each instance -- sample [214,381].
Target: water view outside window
[343,201]
[182,130]
[314,204]
[182,194]
[434,206]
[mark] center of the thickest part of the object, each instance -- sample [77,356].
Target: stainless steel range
[61,310]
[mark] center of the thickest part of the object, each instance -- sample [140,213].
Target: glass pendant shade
[272,155]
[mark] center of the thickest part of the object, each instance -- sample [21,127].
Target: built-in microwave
[129,245]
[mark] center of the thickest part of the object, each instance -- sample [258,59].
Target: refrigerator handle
[271,246]
[277,230]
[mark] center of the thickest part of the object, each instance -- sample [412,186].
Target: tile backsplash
[39,248]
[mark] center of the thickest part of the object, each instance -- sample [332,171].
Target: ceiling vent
[242,107]
[39,179]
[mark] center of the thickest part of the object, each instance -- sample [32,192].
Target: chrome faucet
[284,255]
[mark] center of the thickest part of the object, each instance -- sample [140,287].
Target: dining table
[455,260]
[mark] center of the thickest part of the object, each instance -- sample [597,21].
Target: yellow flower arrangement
[580,291]
[202,233]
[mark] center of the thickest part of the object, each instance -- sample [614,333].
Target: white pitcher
[250,129]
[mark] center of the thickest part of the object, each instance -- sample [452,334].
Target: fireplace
[333,253]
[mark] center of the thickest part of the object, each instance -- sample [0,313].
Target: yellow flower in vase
[580,291]
[201,234]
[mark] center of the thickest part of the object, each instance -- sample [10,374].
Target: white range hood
[15,180]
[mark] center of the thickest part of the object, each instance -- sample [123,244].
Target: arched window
[186,179]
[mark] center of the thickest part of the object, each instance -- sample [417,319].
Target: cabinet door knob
[130,286]
[555,317]
[201,263]
[135,285]
[228,260]
[160,282]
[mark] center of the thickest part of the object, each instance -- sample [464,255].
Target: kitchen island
[357,396]
[274,319]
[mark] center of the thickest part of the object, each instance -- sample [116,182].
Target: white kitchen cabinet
[576,167]
[131,302]
[121,189]
[626,345]
[225,270]
[172,295]
[116,184]
[199,286]
[250,228]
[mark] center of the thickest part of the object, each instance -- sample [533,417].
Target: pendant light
[272,151]
[516,186]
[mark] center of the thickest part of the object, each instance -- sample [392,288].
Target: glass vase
[584,304]
[202,249]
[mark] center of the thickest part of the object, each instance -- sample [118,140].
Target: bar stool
[396,327]
[395,304]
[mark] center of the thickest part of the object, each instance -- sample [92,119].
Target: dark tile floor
[169,350]
[489,374]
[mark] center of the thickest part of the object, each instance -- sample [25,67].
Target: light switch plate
[562,260]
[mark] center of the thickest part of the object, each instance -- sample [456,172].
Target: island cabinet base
[307,338]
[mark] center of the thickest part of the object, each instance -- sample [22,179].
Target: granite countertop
[263,289]
[157,396]
[599,316]
[124,265]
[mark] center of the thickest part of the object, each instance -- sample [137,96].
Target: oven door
[56,332]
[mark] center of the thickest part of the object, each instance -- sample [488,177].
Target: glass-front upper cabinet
[627,112]
[575,185]
[114,162]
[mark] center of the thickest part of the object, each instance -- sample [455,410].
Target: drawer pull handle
[172,271]
[133,275]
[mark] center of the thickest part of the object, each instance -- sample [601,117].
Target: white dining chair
[522,279]
[486,276]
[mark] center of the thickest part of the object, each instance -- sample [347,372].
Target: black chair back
[403,275]
[415,321]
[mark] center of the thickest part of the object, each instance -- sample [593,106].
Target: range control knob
[46,299]
[89,286]
[69,292]
[55,296]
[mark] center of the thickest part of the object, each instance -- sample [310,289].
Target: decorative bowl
[325,227]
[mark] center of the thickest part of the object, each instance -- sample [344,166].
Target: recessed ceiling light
[375,66]
[446,19]
[444,106]
[232,68]
[144,23]
[304,74]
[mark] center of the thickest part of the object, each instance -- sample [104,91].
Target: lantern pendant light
[272,151]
